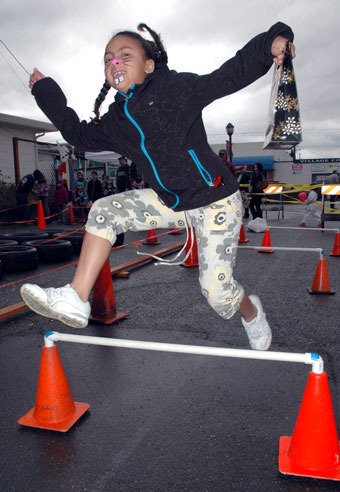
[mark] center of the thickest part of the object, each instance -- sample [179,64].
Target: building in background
[18,147]
[21,152]
[280,166]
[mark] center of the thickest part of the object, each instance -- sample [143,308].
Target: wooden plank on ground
[8,311]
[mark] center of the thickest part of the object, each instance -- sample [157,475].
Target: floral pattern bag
[284,128]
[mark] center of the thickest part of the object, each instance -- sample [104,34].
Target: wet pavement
[164,421]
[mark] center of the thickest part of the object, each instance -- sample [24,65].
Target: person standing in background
[109,189]
[43,188]
[105,181]
[81,202]
[123,182]
[60,199]
[258,184]
[81,178]
[94,188]
[24,188]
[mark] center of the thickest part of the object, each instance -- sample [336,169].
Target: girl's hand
[278,49]
[35,76]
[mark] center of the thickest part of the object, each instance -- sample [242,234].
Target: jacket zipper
[203,171]
[144,150]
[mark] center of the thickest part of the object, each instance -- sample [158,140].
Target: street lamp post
[230,130]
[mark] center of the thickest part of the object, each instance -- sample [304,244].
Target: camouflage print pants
[217,228]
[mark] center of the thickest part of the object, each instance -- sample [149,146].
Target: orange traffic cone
[54,407]
[41,216]
[243,238]
[336,245]
[71,215]
[321,284]
[151,238]
[104,304]
[313,450]
[266,242]
[176,231]
[192,260]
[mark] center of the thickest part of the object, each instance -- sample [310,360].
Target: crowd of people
[84,194]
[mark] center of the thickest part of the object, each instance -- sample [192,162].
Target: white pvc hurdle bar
[308,358]
[284,248]
[320,229]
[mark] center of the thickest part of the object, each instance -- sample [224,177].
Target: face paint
[119,76]
[116,61]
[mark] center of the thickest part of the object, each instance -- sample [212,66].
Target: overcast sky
[66,41]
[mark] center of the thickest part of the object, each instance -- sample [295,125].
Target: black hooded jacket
[158,124]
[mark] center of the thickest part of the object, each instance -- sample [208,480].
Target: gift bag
[284,127]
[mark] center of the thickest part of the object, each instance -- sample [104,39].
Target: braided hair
[154,50]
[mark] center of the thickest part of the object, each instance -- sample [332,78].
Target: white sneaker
[62,304]
[258,330]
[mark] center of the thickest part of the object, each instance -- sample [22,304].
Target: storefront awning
[267,161]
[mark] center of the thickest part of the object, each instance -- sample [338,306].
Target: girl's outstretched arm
[83,135]
[249,64]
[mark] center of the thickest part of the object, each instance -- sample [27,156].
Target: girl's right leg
[94,252]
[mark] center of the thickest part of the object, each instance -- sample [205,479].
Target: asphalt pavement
[166,421]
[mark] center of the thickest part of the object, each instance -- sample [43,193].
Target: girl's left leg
[217,229]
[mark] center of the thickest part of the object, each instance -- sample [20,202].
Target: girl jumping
[156,121]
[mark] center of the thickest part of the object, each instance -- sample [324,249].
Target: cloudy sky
[66,41]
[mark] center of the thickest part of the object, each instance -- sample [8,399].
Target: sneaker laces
[54,292]
[173,262]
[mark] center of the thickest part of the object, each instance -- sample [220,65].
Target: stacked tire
[18,258]
[54,251]
[22,251]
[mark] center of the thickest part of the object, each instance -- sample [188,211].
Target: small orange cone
[104,304]
[151,238]
[192,260]
[41,216]
[243,238]
[313,449]
[71,215]
[176,231]
[321,284]
[336,245]
[54,407]
[266,242]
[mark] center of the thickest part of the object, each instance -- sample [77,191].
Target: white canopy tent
[106,156]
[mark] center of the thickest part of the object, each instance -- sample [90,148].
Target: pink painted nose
[116,61]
